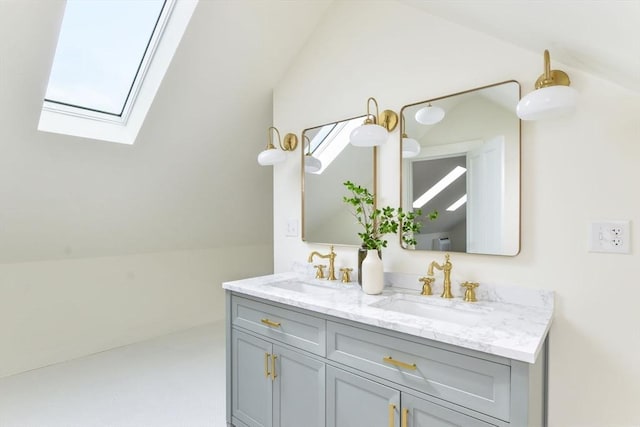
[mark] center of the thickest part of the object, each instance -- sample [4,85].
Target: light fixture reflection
[311,163]
[429,115]
[271,155]
[410,147]
[438,187]
[552,98]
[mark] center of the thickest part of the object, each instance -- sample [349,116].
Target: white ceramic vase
[372,273]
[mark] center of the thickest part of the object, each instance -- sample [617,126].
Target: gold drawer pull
[405,418]
[273,367]
[270,323]
[392,415]
[392,361]
[266,365]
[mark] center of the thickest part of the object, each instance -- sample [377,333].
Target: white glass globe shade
[410,148]
[312,164]
[271,156]
[368,135]
[547,102]
[429,115]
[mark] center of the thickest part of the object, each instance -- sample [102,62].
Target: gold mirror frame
[343,230]
[510,223]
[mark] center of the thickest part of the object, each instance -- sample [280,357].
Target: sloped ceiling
[596,36]
[191,180]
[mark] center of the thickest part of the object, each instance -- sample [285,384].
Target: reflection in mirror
[467,168]
[325,217]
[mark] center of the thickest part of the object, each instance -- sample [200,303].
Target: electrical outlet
[610,236]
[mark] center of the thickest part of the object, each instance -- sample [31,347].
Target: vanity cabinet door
[275,386]
[252,386]
[422,413]
[353,401]
[299,390]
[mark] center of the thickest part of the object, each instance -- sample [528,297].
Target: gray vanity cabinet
[274,380]
[289,367]
[252,386]
[422,413]
[299,390]
[354,401]
[275,386]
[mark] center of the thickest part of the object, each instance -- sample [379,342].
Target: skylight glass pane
[100,51]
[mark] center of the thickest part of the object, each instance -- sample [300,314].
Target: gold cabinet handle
[270,323]
[405,418]
[392,361]
[273,367]
[392,415]
[266,365]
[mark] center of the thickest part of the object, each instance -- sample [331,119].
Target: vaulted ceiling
[600,37]
[191,180]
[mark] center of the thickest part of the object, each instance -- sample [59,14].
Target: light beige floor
[173,381]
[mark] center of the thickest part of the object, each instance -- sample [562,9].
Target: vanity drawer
[470,382]
[287,326]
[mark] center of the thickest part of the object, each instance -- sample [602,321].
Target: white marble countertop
[506,321]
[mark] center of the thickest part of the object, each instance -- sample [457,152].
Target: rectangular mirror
[325,217]
[461,159]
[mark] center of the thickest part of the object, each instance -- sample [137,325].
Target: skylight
[438,187]
[461,201]
[110,60]
[101,50]
[331,140]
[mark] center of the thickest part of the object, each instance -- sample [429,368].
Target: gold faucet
[446,269]
[426,285]
[346,274]
[470,294]
[320,271]
[332,257]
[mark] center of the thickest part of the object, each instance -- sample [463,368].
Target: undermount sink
[430,308]
[303,287]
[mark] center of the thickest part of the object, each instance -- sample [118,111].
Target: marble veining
[506,321]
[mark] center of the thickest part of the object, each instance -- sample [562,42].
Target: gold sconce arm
[271,155]
[369,120]
[551,77]
[388,119]
[552,98]
[290,140]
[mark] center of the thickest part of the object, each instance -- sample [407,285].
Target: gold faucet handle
[426,285]
[346,278]
[470,293]
[320,271]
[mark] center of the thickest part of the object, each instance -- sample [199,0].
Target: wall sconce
[429,115]
[375,129]
[271,155]
[410,147]
[311,164]
[552,98]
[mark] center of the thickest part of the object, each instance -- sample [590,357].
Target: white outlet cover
[610,236]
[292,228]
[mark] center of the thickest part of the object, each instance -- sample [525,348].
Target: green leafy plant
[380,221]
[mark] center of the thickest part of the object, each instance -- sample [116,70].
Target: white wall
[75,214]
[53,311]
[574,170]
